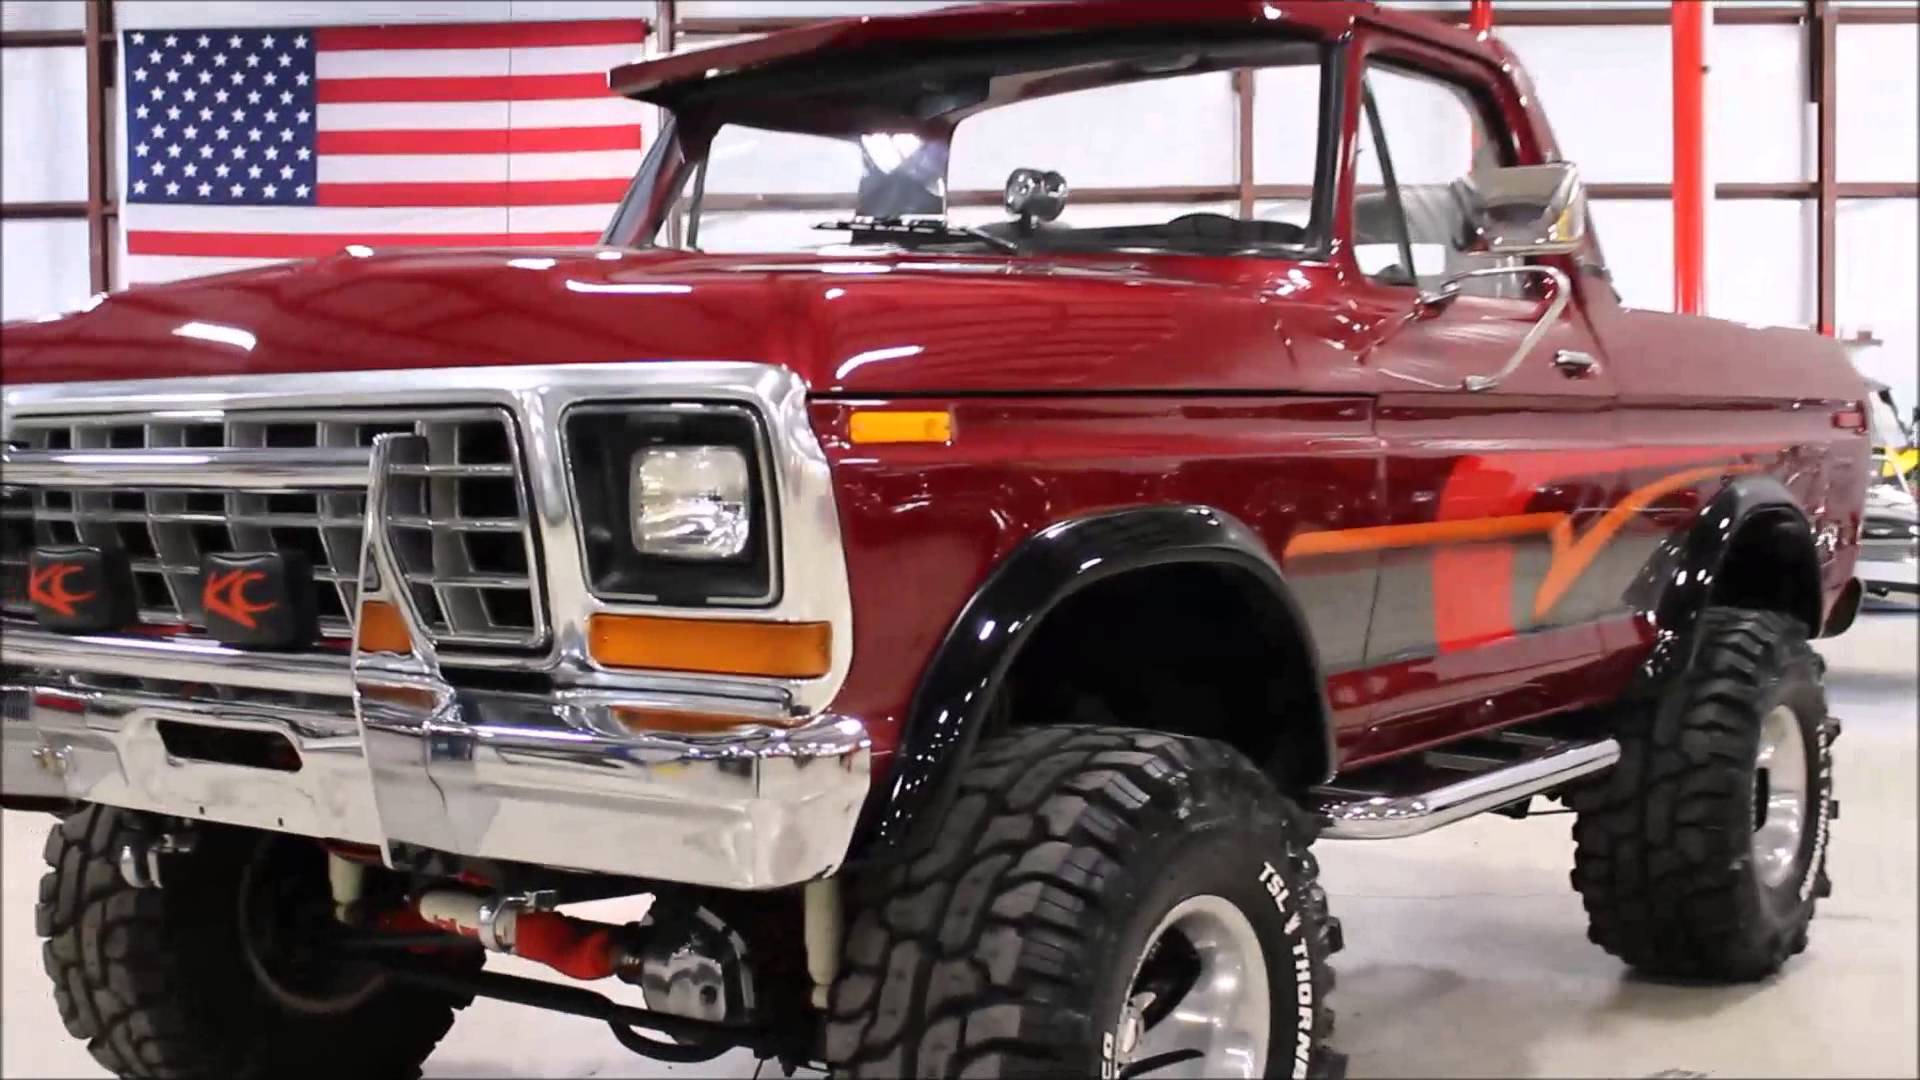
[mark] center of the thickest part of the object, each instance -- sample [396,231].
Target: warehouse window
[1420,139]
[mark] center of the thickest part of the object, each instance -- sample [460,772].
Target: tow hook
[140,859]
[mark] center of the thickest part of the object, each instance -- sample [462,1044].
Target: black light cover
[80,589]
[601,443]
[258,600]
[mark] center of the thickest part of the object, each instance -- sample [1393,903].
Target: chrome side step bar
[1443,786]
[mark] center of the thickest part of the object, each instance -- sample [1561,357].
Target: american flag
[262,143]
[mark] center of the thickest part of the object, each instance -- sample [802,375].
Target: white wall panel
[43,14]
[46,267]
[1758,113]
[1163,131]
[756,9]
[1760,262]
[1759,257]
[43,113]
[1877,283]
[1286,124]
[155,14]
[1879,80]
[1608,91]
[1637,237]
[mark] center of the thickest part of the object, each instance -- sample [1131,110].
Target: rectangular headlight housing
[673,503]
[691,502]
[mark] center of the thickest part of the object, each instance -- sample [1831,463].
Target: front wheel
[1702,854]
[1102,902]
[222,972]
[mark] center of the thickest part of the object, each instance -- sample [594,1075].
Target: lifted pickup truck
[960,608]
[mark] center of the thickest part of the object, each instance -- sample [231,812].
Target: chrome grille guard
[390,748]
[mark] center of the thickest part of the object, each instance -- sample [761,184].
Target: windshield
[1126,147]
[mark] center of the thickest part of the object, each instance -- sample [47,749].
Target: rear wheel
[1099,901]
[224,971]
[1702,854]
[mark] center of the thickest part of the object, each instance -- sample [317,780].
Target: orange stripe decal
[1571,556]
[1422,534]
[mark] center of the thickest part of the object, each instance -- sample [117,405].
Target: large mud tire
[1665,858]
[159,983]
[1010,947]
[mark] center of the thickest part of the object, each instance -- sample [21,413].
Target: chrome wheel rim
[1218,1019]
[1779,796]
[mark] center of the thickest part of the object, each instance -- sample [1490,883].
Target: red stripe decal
[481,140]
[523,35]
[475,193]
[316,245]
[462,88]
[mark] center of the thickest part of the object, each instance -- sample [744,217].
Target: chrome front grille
[462,531]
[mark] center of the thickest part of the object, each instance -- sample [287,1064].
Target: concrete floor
[1466,955]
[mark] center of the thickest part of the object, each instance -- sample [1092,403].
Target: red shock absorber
[521,926]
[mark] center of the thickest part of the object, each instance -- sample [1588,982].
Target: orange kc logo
[225,595]
[48,588]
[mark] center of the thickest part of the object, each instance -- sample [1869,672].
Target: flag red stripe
[481,140]
[517,35]
[462,88]
[475,193]
[312,245]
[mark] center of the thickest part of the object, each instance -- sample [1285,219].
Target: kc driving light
[691,502]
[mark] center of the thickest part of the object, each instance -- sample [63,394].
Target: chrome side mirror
[1526,210]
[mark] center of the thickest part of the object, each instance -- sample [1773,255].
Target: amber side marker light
[382,629]
[891,426]
[642,720]
[712,646]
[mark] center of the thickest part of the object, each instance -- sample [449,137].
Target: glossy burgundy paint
[1272,390]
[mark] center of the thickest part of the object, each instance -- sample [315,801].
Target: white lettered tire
[1087,880]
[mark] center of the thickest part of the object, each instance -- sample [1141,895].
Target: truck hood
[900,323]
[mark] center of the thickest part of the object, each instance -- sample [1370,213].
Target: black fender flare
[1676,584]
[951,703]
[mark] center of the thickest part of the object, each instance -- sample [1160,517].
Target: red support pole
[1480,16]
[1689,156]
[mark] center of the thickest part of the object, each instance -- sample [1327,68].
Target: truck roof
[669,79]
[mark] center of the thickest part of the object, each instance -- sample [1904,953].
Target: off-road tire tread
[1663,881]
[131,979]
[964,960]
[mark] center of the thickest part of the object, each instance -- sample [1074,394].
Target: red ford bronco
[960,601]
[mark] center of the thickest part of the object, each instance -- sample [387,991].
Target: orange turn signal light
[712,646]
[895,426]
[644,720]
[382,629]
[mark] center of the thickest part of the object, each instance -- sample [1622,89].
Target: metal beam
[1243,153]
[40,211]
[98,34]
[1826,186]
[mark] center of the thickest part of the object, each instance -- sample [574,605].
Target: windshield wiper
[926,228]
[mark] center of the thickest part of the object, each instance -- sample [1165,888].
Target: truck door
[1492,475]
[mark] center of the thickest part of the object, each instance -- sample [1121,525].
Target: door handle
[1573,363]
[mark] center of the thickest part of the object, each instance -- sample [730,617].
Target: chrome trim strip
[240,469]
[529,781]
[1382,817]
[183,659]
[812,563]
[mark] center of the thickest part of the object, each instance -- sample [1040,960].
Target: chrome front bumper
[419,752]
[542,780]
